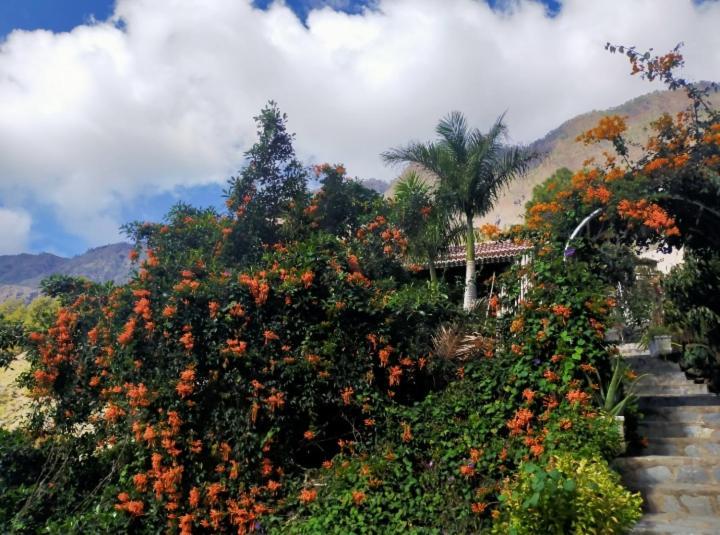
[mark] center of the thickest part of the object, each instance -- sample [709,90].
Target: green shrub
[569,495]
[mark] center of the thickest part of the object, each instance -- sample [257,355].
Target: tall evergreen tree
[270,182]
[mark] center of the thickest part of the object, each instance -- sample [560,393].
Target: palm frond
[453,130]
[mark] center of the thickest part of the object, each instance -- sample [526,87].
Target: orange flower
[346,395]
[309,435]
[358,497]
[528,395]
[478,507]
[307,278]
[276,400]
[517,325]
[307,495]
[140,481]
[608,128]
[520,422]
[134,508]
[236,347]
[126,335]
[551,376]
[407,432]
[577,397]
[466,470]
[187,341]
[384,355]
[561,311]
[395,374]
[194,497]
[270,335]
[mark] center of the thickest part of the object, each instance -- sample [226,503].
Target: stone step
[633,349]
[696,500]
[676,524]
[685,389]
[653,428]
[684,446]
[702,402]
[669,469]
[646,363]
[666,378]
[684,417]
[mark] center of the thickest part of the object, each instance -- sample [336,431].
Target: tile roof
[485,253]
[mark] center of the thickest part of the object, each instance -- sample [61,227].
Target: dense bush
[279,369]
[568,495]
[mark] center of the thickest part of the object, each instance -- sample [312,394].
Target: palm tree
[472,168]
[424,217]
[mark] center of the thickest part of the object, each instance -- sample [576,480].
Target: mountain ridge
[20,274]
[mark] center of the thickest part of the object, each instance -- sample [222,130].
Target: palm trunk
[470,286]
[433,271]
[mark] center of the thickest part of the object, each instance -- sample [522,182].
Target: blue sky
[101,124]
[48,233]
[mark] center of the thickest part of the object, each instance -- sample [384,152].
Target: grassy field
[14,403]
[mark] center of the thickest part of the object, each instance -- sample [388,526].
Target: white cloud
[14,231]
[92,118]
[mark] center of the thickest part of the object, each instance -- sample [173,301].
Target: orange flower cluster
[258,287]
[395,375]
[649,214]
[235,347]
[407,435]
[276,400]
[187,340]
[539,213]
[307,278]
[478,507]
[490,231]
[608,128]
[126,336]
[307,496]
[561,311]
[346,395]
[132,507]
[576,397]
[186,385]
[358,497]
[520,422]
[599,193]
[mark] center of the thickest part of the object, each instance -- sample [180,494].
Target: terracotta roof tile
[485,253]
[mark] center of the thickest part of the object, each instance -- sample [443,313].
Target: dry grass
[14,402]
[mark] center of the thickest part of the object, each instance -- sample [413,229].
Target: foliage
[691,306]
[426,220]
[274,369]
[619,392]
[265,191]
[11,337]
[569,495]
[472,168]
[39,314]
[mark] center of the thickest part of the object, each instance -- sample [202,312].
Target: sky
[111,111]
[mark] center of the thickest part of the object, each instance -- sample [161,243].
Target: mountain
[559,148]
[376,184]
[20,274]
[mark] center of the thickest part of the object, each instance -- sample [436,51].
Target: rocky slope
[559,148]
[20,275]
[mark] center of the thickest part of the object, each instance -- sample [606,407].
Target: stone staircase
[678,473]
